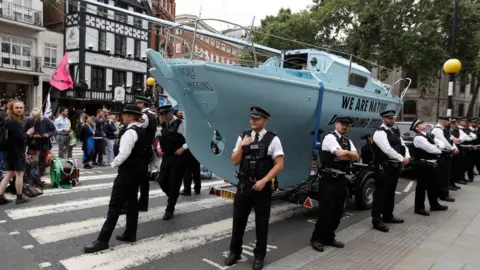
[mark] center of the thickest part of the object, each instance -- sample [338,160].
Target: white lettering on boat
[362,105]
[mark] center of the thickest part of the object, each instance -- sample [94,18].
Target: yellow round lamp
[452,66]
[150,81]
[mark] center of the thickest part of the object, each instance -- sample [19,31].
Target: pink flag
[61,79]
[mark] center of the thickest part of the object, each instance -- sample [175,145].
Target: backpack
[3,135]
[64,173]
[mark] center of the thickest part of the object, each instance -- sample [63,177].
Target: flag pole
[45,101]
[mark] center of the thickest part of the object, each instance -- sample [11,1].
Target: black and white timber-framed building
[106,53]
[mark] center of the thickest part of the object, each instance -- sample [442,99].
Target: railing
[93,95]
[20,13]
[21,62]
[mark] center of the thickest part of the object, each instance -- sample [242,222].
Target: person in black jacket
[14,153]
[99,136]
[130,159]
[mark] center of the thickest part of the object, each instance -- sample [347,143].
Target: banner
[48,107]
[61,79]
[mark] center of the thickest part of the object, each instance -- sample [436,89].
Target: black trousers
[426,182]
[384,195]
[443,175]
[476,159]
[457,168]
[170,178]
[192,171]
[99,149]
[145,182]
[261,201]
[332,192]
[468,163]
[125,188]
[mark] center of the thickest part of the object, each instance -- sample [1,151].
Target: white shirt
[330,143]
[275,148]
[437,133]
[381,140]
[181,129]
[127,142]
[145,118]
[464,137]
[422,143]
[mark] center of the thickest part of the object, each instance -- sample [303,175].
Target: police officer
[149,123]
[441,131]
[476,129]
[427,152]
[337,153]
[260,155]
[391,153]
[130,159]
[468,137]
[457,175]
[173,145]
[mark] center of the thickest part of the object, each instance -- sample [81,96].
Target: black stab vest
[330,160]
[393,137]
[171,139]
[256,163]
[422,154]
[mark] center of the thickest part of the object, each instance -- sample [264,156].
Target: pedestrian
[88,142]
[130,159]
[427,153]
[338,152]
[110,136]
[14,153]
[99,135]
[391,153]
[441,132]
[63,127]
[260,155]
[173,146]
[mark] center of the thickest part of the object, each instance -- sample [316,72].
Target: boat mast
[184,27]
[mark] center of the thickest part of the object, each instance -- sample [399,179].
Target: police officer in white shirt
[441,131]
[390,153]
[337,153]
[130,160]
[428,150]
[468,139]
[260,155]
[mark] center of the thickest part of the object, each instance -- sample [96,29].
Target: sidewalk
[443,241]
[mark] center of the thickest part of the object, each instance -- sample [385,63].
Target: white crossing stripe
[126,255]
[69,230]
[14,233]
[45,264]
[87,177]
[28,247]
[409,186]
[35,211]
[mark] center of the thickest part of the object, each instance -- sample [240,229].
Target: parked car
[408,135]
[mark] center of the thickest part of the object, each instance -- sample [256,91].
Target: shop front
[23,87]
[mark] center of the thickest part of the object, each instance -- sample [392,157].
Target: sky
[237,11]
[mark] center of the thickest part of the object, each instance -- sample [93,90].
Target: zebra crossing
[55,226]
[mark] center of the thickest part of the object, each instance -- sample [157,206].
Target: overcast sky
[238,11]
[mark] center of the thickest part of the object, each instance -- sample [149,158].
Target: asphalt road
[55,227]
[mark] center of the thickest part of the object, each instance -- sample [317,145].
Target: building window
[357,80]
[229,49]
[121,17]
[223,47]
[16,53]
[137,22]
[72,6]
[102,41]
[178,48]
[412,75]
[217,44]
[118,78]
[101,11]
[234,51]
[463,86]
[212,42]
[202,37]
[50,59]
[137,49]
[461,109]
[409,110]
[207,39]
[137,79]
[121,45]
[97,81]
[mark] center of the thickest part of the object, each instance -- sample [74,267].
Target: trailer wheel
[364,194]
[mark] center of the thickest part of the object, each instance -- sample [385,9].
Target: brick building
[207,48]
[165,10]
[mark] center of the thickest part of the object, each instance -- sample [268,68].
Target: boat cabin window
[296,61]
[358,80]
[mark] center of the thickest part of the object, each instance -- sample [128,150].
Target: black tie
[256,137]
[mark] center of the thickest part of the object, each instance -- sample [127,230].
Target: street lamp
[451,67]
[150,87]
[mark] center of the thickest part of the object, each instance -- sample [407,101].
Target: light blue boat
[303,90]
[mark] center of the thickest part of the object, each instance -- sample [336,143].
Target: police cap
[257,112]
[165,108]
[474,120]
[142,99]
[453,119]
[464,118]
[344,120]
[444,117]
[388,113]
[132,109]
[415,124]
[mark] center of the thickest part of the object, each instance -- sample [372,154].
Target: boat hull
[218,97]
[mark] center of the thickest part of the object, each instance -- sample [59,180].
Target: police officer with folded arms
[390,153]
[468,138]
[173,145]
[260,155]
[130,159]
[457,174]
[441,131]
[337,154]
[427,153]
